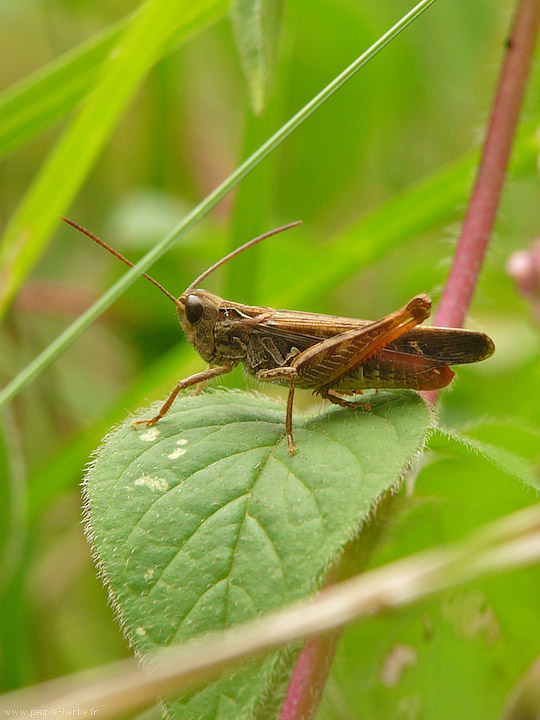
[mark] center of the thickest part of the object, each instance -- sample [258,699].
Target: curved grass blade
[86,319]
[256,24]
[432,202]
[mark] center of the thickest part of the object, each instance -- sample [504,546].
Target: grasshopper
[334,356]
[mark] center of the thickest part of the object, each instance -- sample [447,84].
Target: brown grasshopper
[334,356]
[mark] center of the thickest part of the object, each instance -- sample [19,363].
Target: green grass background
[379,175]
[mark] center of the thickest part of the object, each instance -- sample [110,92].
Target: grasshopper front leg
[201,377]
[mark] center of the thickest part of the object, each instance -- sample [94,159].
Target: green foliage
[462,445]
[12,503]
[257,24]
[141,45]
[377,174]
[205,520]
[33,105]
[460,654]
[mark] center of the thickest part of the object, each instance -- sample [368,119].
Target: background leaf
[458,655]
[140,46]
[33,105]
[463,445]
[256,24]
[205,520]
[13,498]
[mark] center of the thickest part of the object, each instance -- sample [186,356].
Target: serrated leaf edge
[283,654]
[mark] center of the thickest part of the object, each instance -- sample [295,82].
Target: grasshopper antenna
[116,254]
[232,254]
[204,275]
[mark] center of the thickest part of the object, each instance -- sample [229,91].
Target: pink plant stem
[482,209]
[476,231]
[309,677]
[313,664]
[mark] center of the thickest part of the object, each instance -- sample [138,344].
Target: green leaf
[422,207]
[509,462]
[517,436]
[205,520]
[256,24]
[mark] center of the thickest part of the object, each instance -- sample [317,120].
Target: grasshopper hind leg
[289,374]
[336,398]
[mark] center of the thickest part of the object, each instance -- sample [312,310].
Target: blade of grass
[141,45]
[253,199]
[251,208]
[39,101]
[13,501]
[257,26]
[69,335]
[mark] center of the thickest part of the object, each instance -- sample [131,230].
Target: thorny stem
[311,669]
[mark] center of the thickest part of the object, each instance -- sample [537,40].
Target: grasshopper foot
[199,388]
[338,400]
[152,421]
[290,443]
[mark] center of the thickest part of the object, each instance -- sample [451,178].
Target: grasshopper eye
[194,309]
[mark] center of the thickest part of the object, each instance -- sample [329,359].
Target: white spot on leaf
[153,482]
[182,441]
[176,453]
[150,435]
[140,631]
[149,574]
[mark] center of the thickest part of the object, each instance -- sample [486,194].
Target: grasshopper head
[198,312]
